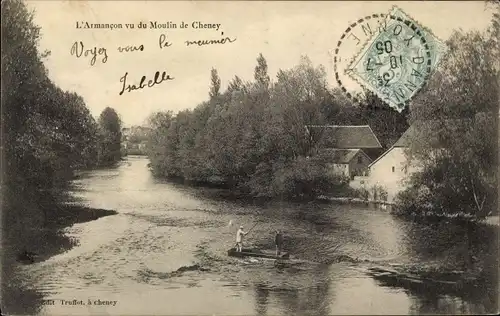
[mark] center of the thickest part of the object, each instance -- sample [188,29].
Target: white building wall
[391,172]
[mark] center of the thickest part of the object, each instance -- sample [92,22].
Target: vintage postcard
[249,158]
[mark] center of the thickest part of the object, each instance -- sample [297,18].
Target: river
[165,253]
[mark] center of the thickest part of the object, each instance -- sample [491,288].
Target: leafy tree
[457,115]
[303,95]
[47,133]
[248,136]
[110,137]
[260,74]
[236,84]
[160,148]
[215,84]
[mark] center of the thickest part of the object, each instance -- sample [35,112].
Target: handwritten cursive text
[162,41]
[131,48]
[223,40]
[78,50]
[151,83]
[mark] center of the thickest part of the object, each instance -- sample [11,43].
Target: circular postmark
[355,34]
[394,62]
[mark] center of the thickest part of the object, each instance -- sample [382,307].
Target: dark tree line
[47,133]
[251,136]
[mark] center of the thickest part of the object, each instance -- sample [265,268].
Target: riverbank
[237,194]
[455,217]
[47,239]
[354,200]
[33,230]
[492,220]
[41,243]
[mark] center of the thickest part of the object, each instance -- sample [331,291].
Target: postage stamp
[396,61]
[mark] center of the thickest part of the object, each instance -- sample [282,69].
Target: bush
[413,201]
[448,188]
[301,178]
[379,193]
[363,193]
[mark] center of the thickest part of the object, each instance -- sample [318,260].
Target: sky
[281,31]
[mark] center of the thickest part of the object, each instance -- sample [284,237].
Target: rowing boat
[255,253]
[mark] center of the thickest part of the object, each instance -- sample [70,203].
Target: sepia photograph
[249,157]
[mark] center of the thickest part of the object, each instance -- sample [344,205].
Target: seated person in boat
[239,239]
[278,240]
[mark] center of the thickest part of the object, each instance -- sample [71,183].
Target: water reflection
[312,297]
[261,299]
[347,259]
[455,270]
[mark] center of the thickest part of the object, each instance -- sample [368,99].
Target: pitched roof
[420,129]
[404,141]
[381,156]
[346,136]
[406,138]
[414,133]
[340,156]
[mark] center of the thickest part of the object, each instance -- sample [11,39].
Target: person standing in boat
[239,239]
[278,240]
